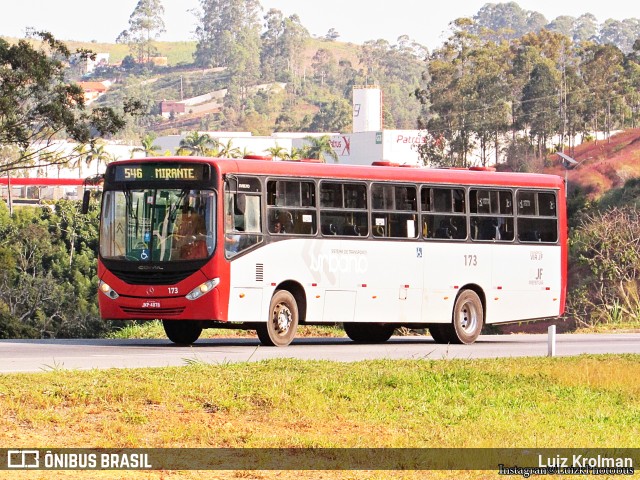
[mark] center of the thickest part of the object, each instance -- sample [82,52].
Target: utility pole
[9,192]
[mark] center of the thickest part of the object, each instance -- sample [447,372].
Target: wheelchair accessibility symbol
[144,255]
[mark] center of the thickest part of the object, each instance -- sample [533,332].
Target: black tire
[182,332]
[440,332]
[369,332]
[282,324]
[467,318]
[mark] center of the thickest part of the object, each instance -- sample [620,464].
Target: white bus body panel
[397,281]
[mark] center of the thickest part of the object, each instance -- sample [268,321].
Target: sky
[357,21]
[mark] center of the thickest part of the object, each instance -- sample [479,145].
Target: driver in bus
[191,235]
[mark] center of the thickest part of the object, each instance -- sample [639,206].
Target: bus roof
[364,172]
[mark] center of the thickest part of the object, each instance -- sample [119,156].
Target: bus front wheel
[280,328]
[368,332]
[182,332]
[439,332]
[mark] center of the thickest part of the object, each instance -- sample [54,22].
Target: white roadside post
[552,341]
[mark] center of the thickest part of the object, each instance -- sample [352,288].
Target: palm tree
[246,152]
[197,144]
[148,147]
[319,146]
[227,151]
[111,157]
[100,155]
[277,151]
[295,154]
[81,153]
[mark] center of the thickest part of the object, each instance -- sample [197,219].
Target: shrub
[605,259]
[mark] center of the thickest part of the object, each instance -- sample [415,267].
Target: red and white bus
[206,243]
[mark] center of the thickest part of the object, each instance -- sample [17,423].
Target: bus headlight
[107,290]
[201,289]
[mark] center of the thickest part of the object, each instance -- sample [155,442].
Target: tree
[540,104]
[324,66]
[145,24]
[148,147]
[622,34]
[227,150]
[226,27]
[585,28]
[229,36]
[198,144]
[277,151]
[318,147]
[81,154]
[333,116]
[271,52]
[294,38]
[99,154]
[282,46]
[450,89]
[508,19]
[295,154]
[602,68]
[398,69]
[48,272]
[38,105]
[332,35]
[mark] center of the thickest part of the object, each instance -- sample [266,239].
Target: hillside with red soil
[602,165]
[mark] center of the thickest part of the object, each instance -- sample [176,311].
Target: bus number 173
[470,260]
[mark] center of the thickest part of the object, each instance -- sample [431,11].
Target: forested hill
[505,21]
[501,73]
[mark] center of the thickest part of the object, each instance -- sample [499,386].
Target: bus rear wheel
[182,332]
[369,332]
[468,318]
[466,324]
[280,328]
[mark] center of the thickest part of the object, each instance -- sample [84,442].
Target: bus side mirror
[85,201]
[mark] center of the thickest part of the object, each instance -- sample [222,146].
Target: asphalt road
[44,355]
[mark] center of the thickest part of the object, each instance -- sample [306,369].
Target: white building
[367,143]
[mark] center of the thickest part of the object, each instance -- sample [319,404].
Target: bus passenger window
[299,198]
[394,202]
[343,209]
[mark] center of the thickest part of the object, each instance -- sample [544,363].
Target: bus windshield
[158,225]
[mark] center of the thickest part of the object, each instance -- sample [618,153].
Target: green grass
[586,401]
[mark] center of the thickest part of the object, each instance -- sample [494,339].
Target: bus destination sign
[162,171]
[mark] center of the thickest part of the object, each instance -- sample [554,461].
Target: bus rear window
[537,217]
[491,215]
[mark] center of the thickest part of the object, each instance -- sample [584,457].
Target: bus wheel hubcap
[469,318]
[282,318]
